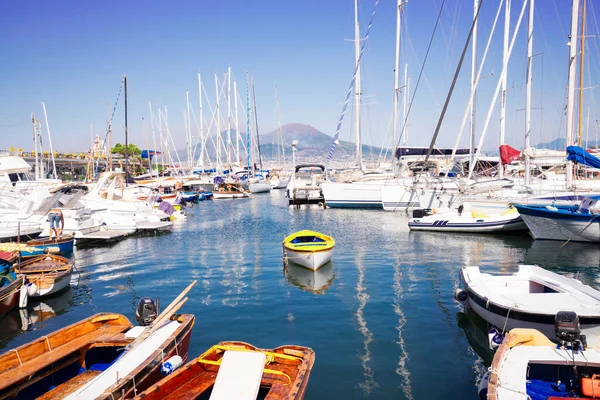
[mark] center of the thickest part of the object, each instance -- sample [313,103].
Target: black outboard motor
[146,311]
[568,331]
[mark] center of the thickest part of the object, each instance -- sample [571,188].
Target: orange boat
[235,370]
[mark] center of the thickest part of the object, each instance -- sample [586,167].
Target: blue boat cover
[580,156]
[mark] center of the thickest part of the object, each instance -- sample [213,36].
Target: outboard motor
[568,330]
[146,311]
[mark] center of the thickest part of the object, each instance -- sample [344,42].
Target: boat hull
[548,228]
[43,246]
[222,196]
[9,296]
[353,195]
[312,260]
[469,225]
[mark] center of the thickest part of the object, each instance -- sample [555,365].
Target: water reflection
[402,368]
[316,282]
[369,383]
[476,329]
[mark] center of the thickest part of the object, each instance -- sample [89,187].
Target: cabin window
[535,287]
[13,177]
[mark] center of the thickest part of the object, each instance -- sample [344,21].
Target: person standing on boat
[54,217]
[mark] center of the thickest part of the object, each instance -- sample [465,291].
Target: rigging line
[412,99]
[112,116]
[458,67]
[352,84]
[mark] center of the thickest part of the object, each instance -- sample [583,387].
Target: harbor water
[380,317]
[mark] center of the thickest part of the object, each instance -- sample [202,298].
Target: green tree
[133,150]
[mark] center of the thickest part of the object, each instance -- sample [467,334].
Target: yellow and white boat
[309,249]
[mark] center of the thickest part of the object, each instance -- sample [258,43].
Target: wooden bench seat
[70,386]
[26,370]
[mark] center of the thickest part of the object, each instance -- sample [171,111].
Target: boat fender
[482,389]
[171,365]
[32,288]
[23,297]
[495,338]
[461,296]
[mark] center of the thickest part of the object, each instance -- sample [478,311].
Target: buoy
[482,389]
[171,365]
[31,288]
[495,338]
[461,296]
[23,297]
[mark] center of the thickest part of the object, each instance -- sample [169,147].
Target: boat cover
[166,207]
[581,156]
[508,154]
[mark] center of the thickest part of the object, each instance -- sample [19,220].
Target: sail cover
[580,156]
[508,154]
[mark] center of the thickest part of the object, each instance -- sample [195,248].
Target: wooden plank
[70,386]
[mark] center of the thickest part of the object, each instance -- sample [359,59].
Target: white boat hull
[352,195]
[59,284]
[221,196]
[451,222]
[259,187]
[312,260]
[561,229]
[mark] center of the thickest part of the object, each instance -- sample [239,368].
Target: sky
[72,55]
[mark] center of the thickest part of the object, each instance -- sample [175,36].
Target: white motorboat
[305,184]
[473,221]
[11,231]
[528,366]
[530,298]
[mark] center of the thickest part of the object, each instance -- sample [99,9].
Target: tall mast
[582,49]
[473,83]
[503,96]
[405,103]
[201,122]
[248,121]
[237,124]
[153,140]
[188,121]
[571,83]
[357,85]
[35,144]
[528,92]
[280,143]
[126,138]
[218,122]
[229,118]
[54,175]
[396,72]
[109,138]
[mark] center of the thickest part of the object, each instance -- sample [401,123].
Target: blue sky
[72,55]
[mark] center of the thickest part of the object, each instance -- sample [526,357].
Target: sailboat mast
[229,118]
[35,145]
[237,125]
[201,121]
[357,85]
[54,175]
[571,84]
[582,49]
[405,105]
[153,141]
[473,83]
[528,91]
[248,121]
[188,122]
[218,122]
[126,138]
[396,78]
[503,96]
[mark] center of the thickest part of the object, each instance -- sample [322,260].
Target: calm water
[381,318]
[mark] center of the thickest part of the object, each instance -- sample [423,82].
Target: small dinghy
[230,191]
[101,357]
[308,248]
[474,221]
[47,274]
[64,245]
[237,370]
[530,298]
[528,366]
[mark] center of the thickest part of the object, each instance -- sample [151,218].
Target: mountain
[561,144]
[313,145]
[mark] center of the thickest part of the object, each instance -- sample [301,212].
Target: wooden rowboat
[237,370]
[48,274]
[100,357]
[10,284]
[308,248]
[63,245]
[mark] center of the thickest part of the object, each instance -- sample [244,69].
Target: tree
[133,150]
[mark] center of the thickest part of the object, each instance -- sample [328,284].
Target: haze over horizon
[72,56]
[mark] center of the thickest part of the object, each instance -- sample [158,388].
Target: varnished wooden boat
[64,245]
[285,375]
[10,284]
[49,274]
[96,358]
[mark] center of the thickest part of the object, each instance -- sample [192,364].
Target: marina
[374,319]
